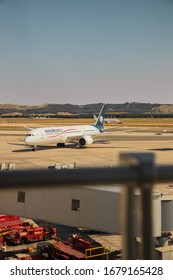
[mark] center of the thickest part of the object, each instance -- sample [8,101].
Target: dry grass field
[148,122]
[19,123]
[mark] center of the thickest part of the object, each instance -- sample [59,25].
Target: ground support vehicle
[7,218]
[28,234]
[90,250]
[77,248]
[65,251]
[55,250]
[3,233]
[14,254]
[7,221]
[7,224]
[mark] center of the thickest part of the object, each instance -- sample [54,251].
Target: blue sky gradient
[86,51]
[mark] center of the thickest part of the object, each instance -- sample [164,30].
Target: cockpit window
[29,134]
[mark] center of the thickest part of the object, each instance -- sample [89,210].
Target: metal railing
[136,171]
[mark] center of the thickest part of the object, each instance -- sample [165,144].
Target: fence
[136,170]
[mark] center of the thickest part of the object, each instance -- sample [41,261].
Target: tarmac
[105,151]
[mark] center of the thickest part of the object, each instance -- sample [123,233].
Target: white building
[96,208]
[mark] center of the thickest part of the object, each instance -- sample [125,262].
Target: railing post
[144,165]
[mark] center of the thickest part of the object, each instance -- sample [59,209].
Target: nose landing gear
[34,149]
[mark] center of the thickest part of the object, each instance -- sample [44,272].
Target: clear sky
[86,51]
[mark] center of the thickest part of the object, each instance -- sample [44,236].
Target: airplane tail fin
[100,120]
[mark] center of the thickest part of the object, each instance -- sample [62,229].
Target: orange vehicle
[28,234]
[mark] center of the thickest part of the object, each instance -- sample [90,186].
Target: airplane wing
[29,128]
[73,139]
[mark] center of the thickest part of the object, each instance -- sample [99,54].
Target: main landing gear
[60,145]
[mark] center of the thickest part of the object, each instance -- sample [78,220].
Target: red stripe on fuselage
[53,136]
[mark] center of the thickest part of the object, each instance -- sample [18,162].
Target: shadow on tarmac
[161,149]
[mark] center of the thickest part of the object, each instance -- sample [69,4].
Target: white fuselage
[60,134]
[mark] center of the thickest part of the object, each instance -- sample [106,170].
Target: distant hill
[69,110]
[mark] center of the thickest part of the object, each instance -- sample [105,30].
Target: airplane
[113,121]
[81,134]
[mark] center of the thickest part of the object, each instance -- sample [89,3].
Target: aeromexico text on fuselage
[54,132]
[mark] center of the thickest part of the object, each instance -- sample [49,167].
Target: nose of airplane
[26,139]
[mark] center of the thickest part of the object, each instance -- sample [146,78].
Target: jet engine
[84,141]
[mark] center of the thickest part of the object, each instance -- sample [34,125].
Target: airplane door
[42,135]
